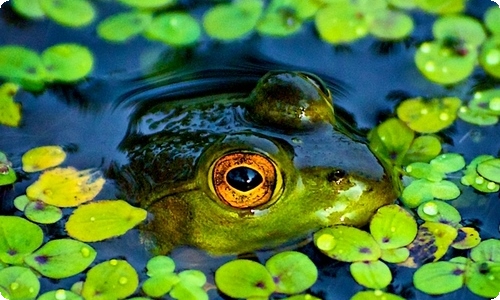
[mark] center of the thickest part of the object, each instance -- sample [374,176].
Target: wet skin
[238,173]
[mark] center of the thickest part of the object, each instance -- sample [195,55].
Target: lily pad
[471,177]
[43,213]
[20,202]
[423,170]
[441,6]
[490,169]
[482,279]
[487,101]
[150,4]
[459,27]
[28,8]
[488,250]
[395,256]
[7,174]
[439,211]
[374,295]
[302,9]
[124,26]
[422,149]
[232,21]
[393,227]
[448,162]
[243,278]
[67,62]
[160,285]
[113,279]
[41,158]
[22,66]
[477,117]
[60,295]
[175,29]
[422,190]
[391,140]
[193,277]
[292,272]
[492,19]
[19,282]
[340,22]
[10,111]
[439,278]
[281,22]
[467,238]
[87,222]
[61,258]
[66,187]
[72,13]
[391,25]
[371,274]
[183,290]
[160,265]
[489,58]
[18,238]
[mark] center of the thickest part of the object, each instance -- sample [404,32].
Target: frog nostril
[336,175]
[244,178]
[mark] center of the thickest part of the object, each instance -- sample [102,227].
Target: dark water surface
[91,118]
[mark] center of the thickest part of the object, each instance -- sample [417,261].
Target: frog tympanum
[232,174]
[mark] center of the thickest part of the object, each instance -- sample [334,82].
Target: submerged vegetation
[420,231]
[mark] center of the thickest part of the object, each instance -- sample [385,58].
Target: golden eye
[245,180]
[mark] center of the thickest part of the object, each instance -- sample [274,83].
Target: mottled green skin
[289,118]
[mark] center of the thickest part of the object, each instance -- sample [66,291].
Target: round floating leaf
[193,277]
[395,256]
[347,244]
[471,177]
[22,66]
[488,250]
[487,101]
[102,220]
[448,162]
[422,149]
[391,139]
[417,192]
[492,19]
[444,64]
[61,258]
[232,21]
[28,8]
[20,202]
[243,278]
[40,212]
[467,238]
[429,116]
[439,278]
[67,62]
[60,295]
[7,174]
[302,297]
[477,117]
[160,265]
[73,13]
[18,238]
[445,190]
[41,158]
[113,279]
[371,274]
[439,211]
[175,29]
[489,58]
[482,279]
[302,9]
[441,6]
[339,22]
[159,285]
[391,25]
[403,4]
[10,111]
[374,295]
[459,28]
[293,272]
[19,282]
[281,22]
[66,187]
[393,227]
[183,290]
[124,26]
[148,4]
[490,169]
[424,170]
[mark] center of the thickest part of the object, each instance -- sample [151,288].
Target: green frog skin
[237,173]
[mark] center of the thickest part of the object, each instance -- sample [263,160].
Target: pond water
[90,119]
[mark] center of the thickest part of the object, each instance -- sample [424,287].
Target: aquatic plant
[41,158]
[10,111]
[73,13]
[7,174]
[483,109]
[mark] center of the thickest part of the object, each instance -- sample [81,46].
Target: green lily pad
[477,117]
[22,66]
[19,282]
[391,25]
[489,57]
[117,216]
[7,174]
[174,28]
[467,238]
[422,190]
[423,170]
[10,111]
[492,19]
[339,22]
[441,6]
[448,162]
[403,4]
[347,244]
[193,277]
[393,227]
[488,250]
[443,64]
[396,255]
[40,212]
[461,28]
[243,278]
[439,211]
[67,62]
[371,274]
[72,13]
[374,295]
[422,149]
[20,202]
[482,278]
[160,265]
[61,258]
[183,290]
[232,21]
[41,158]
[292,272]
[124,26]
[471,177]
[302,297]
[490,169]
[281,22]
[113,279]
[391,140]
[150,4]
[302,9]
[159,285]
[439,277]
[429,116]
[487,101]
[18,238]
[60,295]
[28,8]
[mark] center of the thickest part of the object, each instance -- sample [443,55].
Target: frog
[240,172]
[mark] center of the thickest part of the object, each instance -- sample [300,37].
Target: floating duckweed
[19,282]
[103,281]
[7,174]
[159,285]
[41,158]
[193,277]
[20,202]
[448,162]
[459,28]
[476,116]
[482,278]
[490,169]
[160,265]
[339,22]
[243,278]
[371,274]
[377,294]
[403,4]
[471,177]
[124,26]
[422,149]
[60,295]
[441,6]
[424,170]
[10,111]
[391,25]
[426,115]
[439,277]
[18,237]
[28,8]
[281,22]
[488,250]
[489,57]
[67,62]
[439,211]
[467,238]
[393,227]
[22,66]
[185,291]
[492,19]
[40,212]
[60,258]
[175,29]
[73,13]
[293,272]
[391,140]
[117,216]
[422,190]
[148,4]
[232,21]
[303,9]
[395,256]
[486,102]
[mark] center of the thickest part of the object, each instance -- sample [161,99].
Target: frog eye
[245,180]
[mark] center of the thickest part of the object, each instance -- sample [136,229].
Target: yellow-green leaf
[42,158]
[10,111]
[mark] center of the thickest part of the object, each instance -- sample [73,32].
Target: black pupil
[243,178]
